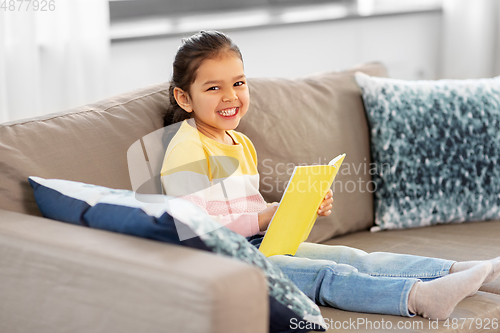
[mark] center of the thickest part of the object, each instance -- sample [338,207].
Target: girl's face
[219,95]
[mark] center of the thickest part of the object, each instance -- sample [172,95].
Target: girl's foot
[464,265]
[438,298]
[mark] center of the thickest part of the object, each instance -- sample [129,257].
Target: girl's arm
[266,215]
[245,224]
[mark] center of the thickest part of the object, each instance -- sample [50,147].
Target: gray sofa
[57,277]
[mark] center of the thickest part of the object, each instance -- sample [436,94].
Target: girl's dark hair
[195,49]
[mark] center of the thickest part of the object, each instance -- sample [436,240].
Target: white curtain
[52,60]
[471,39]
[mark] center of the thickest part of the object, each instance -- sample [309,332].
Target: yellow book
[298,209]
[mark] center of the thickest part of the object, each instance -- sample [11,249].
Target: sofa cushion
[311,120]
[176,221]
[436,147]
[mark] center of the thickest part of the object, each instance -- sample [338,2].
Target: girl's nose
[231,96]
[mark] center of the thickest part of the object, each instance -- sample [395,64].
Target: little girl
[210,164]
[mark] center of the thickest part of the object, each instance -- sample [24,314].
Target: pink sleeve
[245,224]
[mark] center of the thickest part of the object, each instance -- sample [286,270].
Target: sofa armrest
[57,277]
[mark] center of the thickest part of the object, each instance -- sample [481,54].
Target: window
[136,9]
[135,19]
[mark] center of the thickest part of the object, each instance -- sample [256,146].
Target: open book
[298,209]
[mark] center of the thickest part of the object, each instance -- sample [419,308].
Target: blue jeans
[353,280]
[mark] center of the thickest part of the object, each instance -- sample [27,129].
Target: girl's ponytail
[195,49]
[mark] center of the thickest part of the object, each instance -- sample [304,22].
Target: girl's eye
[239,83]
[213,88]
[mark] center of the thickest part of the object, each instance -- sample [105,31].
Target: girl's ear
[183,99]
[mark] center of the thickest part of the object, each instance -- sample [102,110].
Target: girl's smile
[229,112]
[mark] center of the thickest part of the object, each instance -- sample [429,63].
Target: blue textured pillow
[175,221]
[435,147]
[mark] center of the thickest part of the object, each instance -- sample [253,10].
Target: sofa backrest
[306,120]
[311,120]
[87,144]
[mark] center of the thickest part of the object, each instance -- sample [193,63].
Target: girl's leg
[436,299]
[393,264]
[379,264]
[370,274]
[465,265]
[344,287]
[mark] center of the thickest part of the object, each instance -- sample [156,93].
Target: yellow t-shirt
[222,179]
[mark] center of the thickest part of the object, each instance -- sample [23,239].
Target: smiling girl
[209,88]
[215,167]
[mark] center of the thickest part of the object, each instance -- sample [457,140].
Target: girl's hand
[266,215]
[325,208]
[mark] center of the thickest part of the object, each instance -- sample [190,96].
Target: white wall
[471,37]
[409,45]
[497,43]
